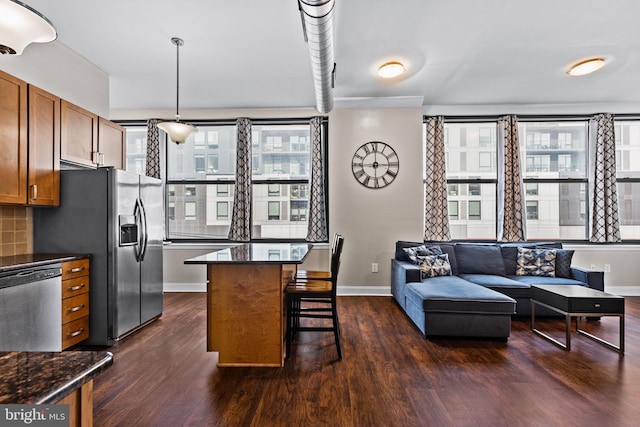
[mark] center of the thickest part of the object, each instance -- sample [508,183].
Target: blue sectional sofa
[473,289]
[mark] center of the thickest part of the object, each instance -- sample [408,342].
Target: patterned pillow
[435,265]
[421,251]
[563,262]
[536,262]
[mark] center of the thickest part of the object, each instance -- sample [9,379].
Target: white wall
[372,220]
[59,70]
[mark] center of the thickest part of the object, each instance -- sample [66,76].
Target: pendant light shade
[20,25]
[178,132]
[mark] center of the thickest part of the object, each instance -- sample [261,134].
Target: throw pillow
[536,262]
[421,251]
[563,262]
[435,265]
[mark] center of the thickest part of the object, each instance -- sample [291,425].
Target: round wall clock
[375,164]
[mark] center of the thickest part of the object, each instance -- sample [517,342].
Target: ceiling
[251,53]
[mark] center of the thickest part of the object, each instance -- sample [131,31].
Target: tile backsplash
[16,230]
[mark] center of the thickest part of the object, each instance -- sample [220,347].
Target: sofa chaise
[473,289]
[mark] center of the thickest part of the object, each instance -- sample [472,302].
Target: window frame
[168,183]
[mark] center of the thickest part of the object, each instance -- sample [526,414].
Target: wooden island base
[246,317]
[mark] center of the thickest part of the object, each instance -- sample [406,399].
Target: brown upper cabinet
[13,140]
[111,144]
[89,140]
[44,148]
[78,135]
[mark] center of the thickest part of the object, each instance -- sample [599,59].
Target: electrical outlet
[374,267]
[607,268]
[593,266]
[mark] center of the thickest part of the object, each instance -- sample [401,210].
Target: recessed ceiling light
[390,70]
[587,66]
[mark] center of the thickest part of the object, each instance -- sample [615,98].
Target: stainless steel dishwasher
[31,309]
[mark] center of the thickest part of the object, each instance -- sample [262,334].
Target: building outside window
[628,177]
[471,167]
[554,166]
[555,178]
[200,181]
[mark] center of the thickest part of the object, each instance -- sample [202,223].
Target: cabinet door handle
[34,192]
[76,308]
[75,333]
[76,270]
[76,288]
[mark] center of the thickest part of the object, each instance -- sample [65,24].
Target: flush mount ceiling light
[390,70]
[178,132]
[20,25]
[587,66]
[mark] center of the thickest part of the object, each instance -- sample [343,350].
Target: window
[190,211]
[201,181]
[471,174]
[212,163]
[555,178]
[198,163]
[274,211]
[222,210]
[453,210]
[553,157]
[532,209]
[475,209]
[628,177]
[136,150]
[273,190]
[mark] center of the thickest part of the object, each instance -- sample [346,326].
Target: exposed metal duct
[317,24]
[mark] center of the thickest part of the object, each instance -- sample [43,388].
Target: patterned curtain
[240,230]
[317,229]
[511,221]
[436,212]
[153,149]
[605,227]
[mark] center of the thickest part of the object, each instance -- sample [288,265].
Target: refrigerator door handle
[137,212]
[145,231]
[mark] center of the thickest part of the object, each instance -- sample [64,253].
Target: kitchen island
[40,378]
[245,301]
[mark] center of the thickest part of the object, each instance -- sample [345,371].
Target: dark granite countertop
[17,262]
[41,377]
[269,253]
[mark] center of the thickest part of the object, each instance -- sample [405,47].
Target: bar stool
[315,299]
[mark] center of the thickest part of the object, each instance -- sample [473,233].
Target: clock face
[375,164]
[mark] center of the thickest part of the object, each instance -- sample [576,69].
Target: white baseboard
[342,290]
[627,291]
[364,291]
[184,287]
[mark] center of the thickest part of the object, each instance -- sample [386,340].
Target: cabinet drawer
[74,332]
[76,268]
[74,308]
[73,287]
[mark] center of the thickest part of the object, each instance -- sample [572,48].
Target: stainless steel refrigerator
[117,217]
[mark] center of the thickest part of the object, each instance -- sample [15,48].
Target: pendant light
[178,132]
[21,25]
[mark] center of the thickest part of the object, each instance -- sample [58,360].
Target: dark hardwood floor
[390,376]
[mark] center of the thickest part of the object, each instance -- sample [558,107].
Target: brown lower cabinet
[80,406]
[75,302]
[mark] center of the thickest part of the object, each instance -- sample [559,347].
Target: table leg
[567,321]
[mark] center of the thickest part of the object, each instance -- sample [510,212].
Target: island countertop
[47,377]
[276,253]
